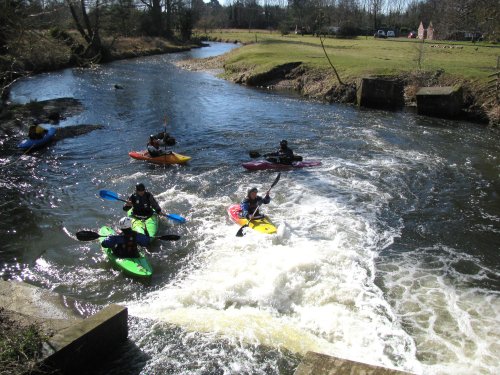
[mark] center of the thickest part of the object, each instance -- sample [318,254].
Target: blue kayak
[33,144]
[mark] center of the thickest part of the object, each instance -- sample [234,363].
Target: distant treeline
[177,18]
[360,17]
[87,28]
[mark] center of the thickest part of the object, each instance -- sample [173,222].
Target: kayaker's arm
[129,203]
[244,208]
[110,242]
[154,204]
[142,239]
[266,199]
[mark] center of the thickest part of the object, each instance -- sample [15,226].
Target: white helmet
[125,223]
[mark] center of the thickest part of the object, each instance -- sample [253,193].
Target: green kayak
[135,267]
[147,226]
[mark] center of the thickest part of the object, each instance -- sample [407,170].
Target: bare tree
[87,29]
[155,9]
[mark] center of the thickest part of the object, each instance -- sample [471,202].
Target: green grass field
[362,56]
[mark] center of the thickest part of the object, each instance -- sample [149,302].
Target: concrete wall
[440,101]
[380,93]
[74,343]
[322,364]
[88,342]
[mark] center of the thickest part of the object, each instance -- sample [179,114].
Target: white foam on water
[312,288]
[455,324]
[312,285]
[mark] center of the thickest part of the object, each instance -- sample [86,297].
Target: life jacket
[128,249]
[36,132]
[252,205]
[142,205]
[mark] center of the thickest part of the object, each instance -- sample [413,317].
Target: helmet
[125,223]
[254,189]
[283,143]
[140,187]
[151,137]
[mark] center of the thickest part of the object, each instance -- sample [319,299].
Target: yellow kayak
[171,158]
[262,225]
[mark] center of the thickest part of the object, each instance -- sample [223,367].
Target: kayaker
[251,203]
[164,139]
[143,203]
[36,132]
[124,245]
[283,156]
[154,147]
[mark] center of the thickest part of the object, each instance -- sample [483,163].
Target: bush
[284,28]
[348,31]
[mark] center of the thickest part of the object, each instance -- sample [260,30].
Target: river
[388,253]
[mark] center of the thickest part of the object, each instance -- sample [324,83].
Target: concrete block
[88,341]
[322,364]
[377,92]
[440,101]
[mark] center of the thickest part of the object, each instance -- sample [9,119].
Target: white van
[390,34]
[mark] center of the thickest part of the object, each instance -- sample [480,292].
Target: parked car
[412,35]
[391,34]
[380,34]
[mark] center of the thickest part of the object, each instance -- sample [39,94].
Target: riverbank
[299,63]
[50,54]
[45,51]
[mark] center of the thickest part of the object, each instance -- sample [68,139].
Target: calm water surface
[388,253]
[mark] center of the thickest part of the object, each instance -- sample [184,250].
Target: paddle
[276,159]
[112,196]
[240,231]
[87,235]
[165,143]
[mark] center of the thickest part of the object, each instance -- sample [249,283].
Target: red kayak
[264,164]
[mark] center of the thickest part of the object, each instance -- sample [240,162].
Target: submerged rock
[75,130]
[15,117]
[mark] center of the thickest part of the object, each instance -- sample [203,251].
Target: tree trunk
[88,31]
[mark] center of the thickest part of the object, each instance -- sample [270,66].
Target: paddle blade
[240,232]
[109,195]
[175,217]
[276,180]
[87,235]
[169,237]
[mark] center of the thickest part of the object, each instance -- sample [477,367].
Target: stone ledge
[322,364]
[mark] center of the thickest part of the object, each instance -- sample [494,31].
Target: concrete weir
[440,101]
[322,364]
[74,342]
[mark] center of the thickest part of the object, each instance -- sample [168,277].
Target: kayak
[264,164]
[147,226]
[262,225]
[33,144]
[135,267]
[172,158]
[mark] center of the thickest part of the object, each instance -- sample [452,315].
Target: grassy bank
[417,63]
[20,345]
